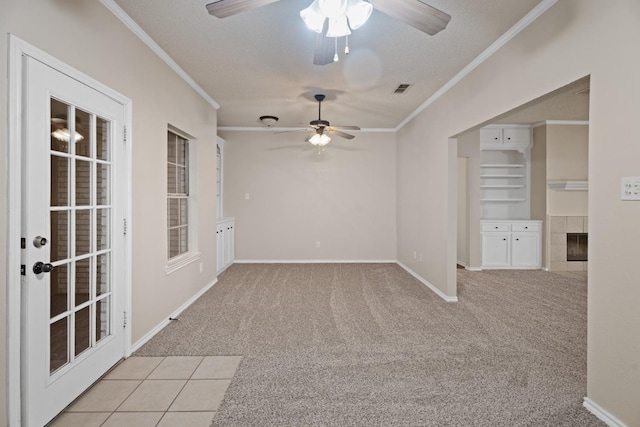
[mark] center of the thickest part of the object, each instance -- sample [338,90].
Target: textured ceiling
[260,62]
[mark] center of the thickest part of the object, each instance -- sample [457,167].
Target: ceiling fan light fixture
[338,27]
[358,13]
[63,135]
[313,17]
[333,9]
[320,139]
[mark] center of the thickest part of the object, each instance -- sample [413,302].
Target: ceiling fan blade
[416,13]
[340,134]
[292,130]
[224,8]
[345,127]
[325,50]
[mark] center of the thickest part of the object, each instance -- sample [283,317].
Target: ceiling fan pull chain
[346,47]
[335,57]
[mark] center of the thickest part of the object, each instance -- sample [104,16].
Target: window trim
[192,254]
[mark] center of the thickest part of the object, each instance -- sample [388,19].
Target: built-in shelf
[568,185]
[502,176]
[502,186]
[503,200]
[502,166]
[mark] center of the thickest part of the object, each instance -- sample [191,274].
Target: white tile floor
[154,391]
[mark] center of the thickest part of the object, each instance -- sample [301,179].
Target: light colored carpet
[368,345]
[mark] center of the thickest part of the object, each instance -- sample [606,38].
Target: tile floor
[154,391]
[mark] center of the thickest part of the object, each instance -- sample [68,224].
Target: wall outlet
[318,244]
[201,267]
[246,196]
[415,255]
[630,189]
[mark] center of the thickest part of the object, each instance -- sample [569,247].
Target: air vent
[402,88]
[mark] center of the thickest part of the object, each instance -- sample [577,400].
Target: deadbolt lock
[39,241]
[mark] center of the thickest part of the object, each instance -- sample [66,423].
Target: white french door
[73,207]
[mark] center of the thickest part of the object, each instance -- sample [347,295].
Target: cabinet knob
[526,228]
[517,240]
[495,228]
[504,239]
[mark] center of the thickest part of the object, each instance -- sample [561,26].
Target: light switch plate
[630,188]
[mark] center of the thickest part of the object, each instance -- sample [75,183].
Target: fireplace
[577,246]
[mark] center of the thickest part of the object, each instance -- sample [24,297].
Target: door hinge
[23,243]
[23,270]
[125,134]
[124,228]
[124,319]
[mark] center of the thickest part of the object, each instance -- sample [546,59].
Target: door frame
[18,49]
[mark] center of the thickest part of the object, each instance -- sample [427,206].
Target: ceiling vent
[402,88]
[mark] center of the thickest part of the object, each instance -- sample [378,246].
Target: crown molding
[503,40]
[146,39]
[293,129]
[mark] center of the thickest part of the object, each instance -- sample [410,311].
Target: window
[177,195]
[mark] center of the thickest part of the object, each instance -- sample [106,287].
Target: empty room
[319,213]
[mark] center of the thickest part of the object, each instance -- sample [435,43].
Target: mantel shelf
[568,185]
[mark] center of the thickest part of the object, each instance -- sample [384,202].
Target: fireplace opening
[577,246]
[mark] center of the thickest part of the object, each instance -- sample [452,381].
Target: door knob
[39,241]
[41,267]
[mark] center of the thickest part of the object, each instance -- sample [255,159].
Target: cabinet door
[495,250]
[516,136]
[491,135]
[525,250]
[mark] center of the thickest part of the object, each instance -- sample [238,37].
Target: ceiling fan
[321,129]
[416,13]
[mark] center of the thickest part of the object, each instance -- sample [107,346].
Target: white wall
[560,47]
[344,198]
[88,37]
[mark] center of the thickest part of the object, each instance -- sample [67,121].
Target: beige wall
[89,38]
[539,185]
[344,198]
[560,47]
[469,147]
[567,159]
[463,211]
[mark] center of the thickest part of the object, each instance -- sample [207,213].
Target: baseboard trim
[312,261]
[466,267]
[427,284]
[160,326]
[602,414]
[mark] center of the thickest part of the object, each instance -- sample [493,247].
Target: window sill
[181,261]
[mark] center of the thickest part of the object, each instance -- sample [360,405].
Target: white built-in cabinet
[225,227]
[225,239]
[509,238]
[511,244]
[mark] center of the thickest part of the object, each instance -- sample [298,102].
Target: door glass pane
[103,319]
[59,235]
[102,184]
[102,139]
[102,229]
[83,133]
[83,232]
[59,181]
[83,183]
[58,344]
[103,282]
[83,281]
[59,131]
[82,330]
[59,290]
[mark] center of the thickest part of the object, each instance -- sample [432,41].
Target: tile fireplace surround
[559,227]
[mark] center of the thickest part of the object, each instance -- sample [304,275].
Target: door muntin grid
[80,220]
